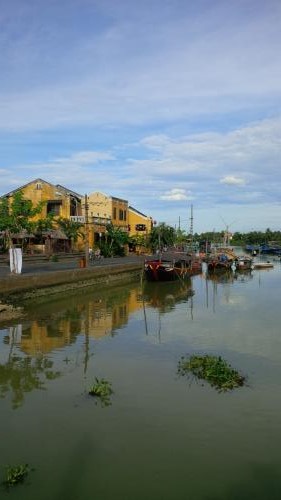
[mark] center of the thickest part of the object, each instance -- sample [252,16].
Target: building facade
[103,210]
[139,224]
[57,200]
[62,202]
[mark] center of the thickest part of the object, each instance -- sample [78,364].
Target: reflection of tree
[21,375]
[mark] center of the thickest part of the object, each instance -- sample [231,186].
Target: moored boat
[173,267]
[263,265]
[243,263]
[221,260]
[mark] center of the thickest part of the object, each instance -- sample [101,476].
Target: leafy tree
[162,235]
[115,241]
[73,230]
[46,224]
[180,236]
[17,216]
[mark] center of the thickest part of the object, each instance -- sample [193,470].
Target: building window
[114,213]
[125,215]
[140,227]
[121,214]
[54,207]
[38,186]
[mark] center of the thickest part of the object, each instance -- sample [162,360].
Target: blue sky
[164,103]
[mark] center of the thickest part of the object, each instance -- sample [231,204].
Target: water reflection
[19,374]
[164,296]
[29,355]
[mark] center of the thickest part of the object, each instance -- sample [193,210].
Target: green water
[163,437]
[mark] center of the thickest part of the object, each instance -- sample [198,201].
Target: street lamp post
[86,231]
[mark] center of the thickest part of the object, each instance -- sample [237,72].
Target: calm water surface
[163,437]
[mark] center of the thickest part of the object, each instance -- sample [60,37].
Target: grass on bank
[213,369]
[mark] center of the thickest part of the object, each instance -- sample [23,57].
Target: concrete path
[30,268]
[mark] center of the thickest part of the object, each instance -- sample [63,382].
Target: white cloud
[175,194]
[231,180]
[197,61]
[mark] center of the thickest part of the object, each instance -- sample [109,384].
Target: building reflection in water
[30,351]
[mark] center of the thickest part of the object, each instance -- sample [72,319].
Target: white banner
[15,260]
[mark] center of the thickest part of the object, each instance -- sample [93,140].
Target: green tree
[73,230]
[162,235]
[115,241]
[17,216]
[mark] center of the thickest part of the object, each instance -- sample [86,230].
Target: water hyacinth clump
[102,389]
[215,370]
[16,474]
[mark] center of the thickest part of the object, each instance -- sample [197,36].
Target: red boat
[171,269]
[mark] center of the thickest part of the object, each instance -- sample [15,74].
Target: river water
[162,437]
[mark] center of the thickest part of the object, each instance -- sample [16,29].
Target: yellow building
[98,210]
[56,199]
[139,224]
[103,210]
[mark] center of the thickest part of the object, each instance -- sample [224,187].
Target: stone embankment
[42,282]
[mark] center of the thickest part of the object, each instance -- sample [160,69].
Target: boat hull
[158,270]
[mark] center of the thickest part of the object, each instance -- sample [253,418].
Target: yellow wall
[99,205]
[136,218]
[117,205]
[40,191]
[103,210]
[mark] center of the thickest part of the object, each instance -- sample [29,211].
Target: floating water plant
[16,474]
[213,369]
[102,389]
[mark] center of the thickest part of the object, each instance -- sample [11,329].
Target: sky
[169,104]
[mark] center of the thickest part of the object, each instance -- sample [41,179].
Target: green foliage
[102,389]
[238,238]
[162,235]
[16,474]
[213,369]
[17,216]
[180,236]
[71,229]
[115,241]
[45,224]
[139,240]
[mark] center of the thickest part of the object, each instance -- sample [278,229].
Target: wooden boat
[263,265]
[176,266]
[243,263]
[222,260]
[219,265]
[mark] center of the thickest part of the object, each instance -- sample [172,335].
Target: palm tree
[71,229]
[116,239]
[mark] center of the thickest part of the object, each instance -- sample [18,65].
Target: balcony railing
[78,218]
[98,221]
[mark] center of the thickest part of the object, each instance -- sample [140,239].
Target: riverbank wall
[24,287]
